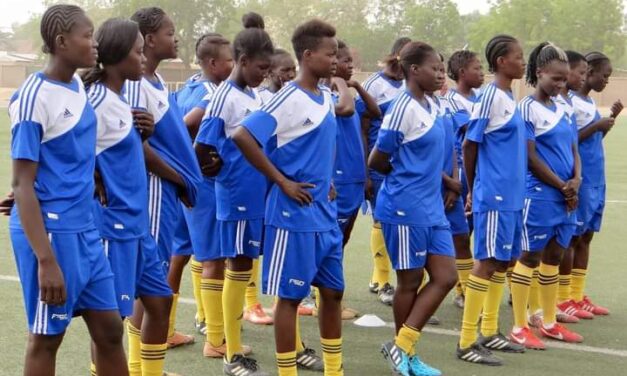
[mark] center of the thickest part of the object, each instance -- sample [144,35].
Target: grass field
[603,352]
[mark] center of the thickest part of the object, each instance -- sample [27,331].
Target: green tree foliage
[438,23]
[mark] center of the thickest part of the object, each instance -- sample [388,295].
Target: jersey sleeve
[360,106]
[394,127]
[526,112]
[211,130]
[480,117]
[261,125]
[134,95]
[28,126]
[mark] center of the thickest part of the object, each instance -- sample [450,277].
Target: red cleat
[574,309]
[560,333]
[525,337]
[587,305]
[566,313]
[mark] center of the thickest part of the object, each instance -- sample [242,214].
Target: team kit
[254,173]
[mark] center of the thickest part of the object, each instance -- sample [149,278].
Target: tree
[436,22]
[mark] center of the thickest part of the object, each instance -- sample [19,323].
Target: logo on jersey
[507,247]
[307,123]
[241,208]
[125,297]
[422,126]
[254,243]
[122,124]
[286,214]
[421,254]
[540,237]
[67,114]
[247,112]
[161,105]
[59,316]
[507,113]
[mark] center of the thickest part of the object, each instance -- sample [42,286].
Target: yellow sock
[563,290]
[464,267]
[548,279]
[317,296]
[92,369]
[521,284]
[382,265]
[534,294]
[508,276]
[286,362]
[332,356]
[425,279]
[252,295]
[211,290]
[300,347]
[153,358]
[233,306]
[175,303]
[491,305]
[196,269]
[577,284]
[134,350]
[476,291]
[407,338]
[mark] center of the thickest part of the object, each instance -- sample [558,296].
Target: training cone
[369,321]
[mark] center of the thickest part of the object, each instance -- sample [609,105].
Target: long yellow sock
[92,369]
[211,290]
[153,358]
[286,363]
[491,305]
[332,356]
[548,279]
[508,276]
[476,292]
[577,284]
[252,290]
[300,346]
[175,303]
[521,284]
[233,306]
[196,269]
[134,350]
[563,290]
[407,338]
[317,296]
[382,265]
[534,294]
[464,267]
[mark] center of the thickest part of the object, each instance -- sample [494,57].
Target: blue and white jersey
[461,109]
[445,113]
[239,186]
[384,90]
[551,129]
[53,124]
[170,139]
[498,128]
[350,162]
[265,94]
[120,162]
[195,94]
[590,149]
[413,136]
[298,130]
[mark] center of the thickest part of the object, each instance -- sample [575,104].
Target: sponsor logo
[67,114]
[498,198]
[118,226]
[507,247]
[59,316]
[52,215]
[285,214]
[241,208]
[540,237]
[400,213]
[125,297]
[296,282]
[161,105]
[421,254]
[254,243]
[122,124]
[308,123]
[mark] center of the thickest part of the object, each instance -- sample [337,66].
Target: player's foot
[170,374]
[458,301]
[564,317]
[525,337]
[535,320]
[587,305]
[242,366]
[309,360]
[180,339]
[386,294]
[420,368]
[373,287]
[398,360]
[200,326]
[434,320]
[479,355]
[572,308]
[349,313]
[256,315]
[499,342]
[560,333]
[306,306]
[210,351]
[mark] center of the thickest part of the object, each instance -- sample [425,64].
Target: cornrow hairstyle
[540,57]
[574,58]
[393,58]
[252,42]
[414,53]
[498,46]
[253,20]
[116,38]
[56,20]
[596,60]
[457,61]
[208,45]
[149,19]
[309,35]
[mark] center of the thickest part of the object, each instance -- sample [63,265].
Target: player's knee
[331,295]
[109,335]
[43,344]
[530,259]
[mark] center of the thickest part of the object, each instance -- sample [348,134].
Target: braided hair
[56,20]
[540,57]
[209,45]
[596,60]
[458,61]
[498,46]
[149,19]
[574,58]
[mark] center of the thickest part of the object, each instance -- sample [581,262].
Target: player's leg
[41,354]
[380,283]
[461,241]
[254,312]
[106,331]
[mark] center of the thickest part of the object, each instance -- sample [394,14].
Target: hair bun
[252,20]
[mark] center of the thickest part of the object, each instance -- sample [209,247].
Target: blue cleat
[397,359]
[419,368]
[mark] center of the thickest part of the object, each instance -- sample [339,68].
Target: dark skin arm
[6,204]
[452,184]
[192,121]
[345,105]
[365,126]
[255,155]
[572,185]
[380,161]
[159,167]
[50,276]
[99,188]
[372,109]
[470,151]
[208,159]
[603,125]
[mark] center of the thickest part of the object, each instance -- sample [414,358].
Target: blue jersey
[590,149]
[239,186]
[551,129]
[298,130]
[413,136]
[120,162]
[448,124]
[461,109]
[383,90]
[265,94]
[170,139]
[498,128]
[350,163]
[53,124]
[195,94]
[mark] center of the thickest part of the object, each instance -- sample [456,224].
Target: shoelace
[249,363]
[387,288]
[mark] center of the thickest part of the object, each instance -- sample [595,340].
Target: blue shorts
[88,279]
[457,218]
[163,208]
[590,210]
[203,225]
[498,235]
[408,246]
[545,220]
[349,199]
[137,271]
[241,238]
[293,261]
[182,244]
